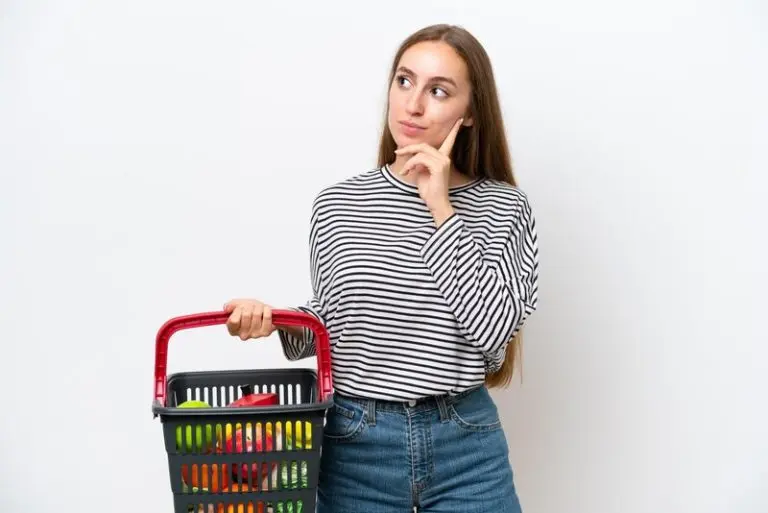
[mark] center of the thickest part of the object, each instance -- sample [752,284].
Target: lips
[411,130]
[412,125]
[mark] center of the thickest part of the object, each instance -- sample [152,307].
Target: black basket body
[262,459]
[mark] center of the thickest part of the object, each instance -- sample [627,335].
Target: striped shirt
[413,310]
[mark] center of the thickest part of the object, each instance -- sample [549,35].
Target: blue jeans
[441,455]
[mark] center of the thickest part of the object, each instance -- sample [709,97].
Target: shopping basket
[251,440]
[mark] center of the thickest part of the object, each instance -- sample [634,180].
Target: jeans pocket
[476,412]
[344,421]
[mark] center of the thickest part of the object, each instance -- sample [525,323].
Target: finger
[266,326]
[419,160]
[256,322]
[415,167]
[233,323]
[229,306]
[416,148]
[447,145]
[245,322]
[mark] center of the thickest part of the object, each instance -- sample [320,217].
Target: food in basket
[302,435]
[293,479]
[201,509]
[250,445]
[241,507]
[263,477]
[197,443]
[210,478]
[247,444]
[289,507]
[266,399]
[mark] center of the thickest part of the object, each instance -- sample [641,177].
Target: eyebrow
[434,79]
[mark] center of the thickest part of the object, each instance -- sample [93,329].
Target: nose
[414,105]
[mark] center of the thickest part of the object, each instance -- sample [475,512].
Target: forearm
[442,213]
[294,331]
[299,341]
[490,300]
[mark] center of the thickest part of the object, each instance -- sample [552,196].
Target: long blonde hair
[480,150]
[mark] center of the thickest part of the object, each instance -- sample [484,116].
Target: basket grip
[279,318]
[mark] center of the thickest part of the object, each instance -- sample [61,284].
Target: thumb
[229,307]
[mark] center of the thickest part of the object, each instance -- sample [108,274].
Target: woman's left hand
[435,168]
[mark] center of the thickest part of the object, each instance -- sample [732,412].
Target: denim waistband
[425,404]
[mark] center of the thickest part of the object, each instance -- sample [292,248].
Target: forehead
[434,59]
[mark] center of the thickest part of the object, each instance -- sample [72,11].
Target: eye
[400,79]
[445,93]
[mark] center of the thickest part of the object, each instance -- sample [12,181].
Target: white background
[159,158]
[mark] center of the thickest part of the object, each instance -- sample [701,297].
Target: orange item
[241,508]
[199,478]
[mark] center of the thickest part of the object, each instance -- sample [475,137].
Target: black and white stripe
[413,310]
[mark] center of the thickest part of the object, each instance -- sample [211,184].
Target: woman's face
[429,93]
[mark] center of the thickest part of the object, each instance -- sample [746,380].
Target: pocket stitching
[343,410]
[356,427]
[349,436]
[473,427]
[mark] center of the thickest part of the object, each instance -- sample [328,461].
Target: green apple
[198,443]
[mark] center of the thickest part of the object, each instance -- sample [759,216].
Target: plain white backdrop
[160,158]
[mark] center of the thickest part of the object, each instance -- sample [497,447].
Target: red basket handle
[279,318]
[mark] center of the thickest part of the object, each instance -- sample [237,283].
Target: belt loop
[443,407]
[370,412]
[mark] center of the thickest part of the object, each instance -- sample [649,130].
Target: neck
[456,178]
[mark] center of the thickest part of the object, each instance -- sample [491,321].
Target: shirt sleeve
[491,296]
[294,348]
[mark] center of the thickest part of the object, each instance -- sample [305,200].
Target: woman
[423,269]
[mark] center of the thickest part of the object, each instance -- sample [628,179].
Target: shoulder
[505,192]
[499,198]
[358,180]
[507,209]
[341,189]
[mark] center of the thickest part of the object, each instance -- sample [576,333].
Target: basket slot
[191,394]
[203,508]
[194,437]
[205,478]
[244,506]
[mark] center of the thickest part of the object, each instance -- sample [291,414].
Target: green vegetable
[290,480]
[289,508]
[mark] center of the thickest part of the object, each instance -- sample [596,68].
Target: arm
[490,297]
[292,331]
[298,342]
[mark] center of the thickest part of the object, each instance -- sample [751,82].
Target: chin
[405,140]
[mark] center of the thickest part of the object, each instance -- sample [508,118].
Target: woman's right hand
[249,318]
